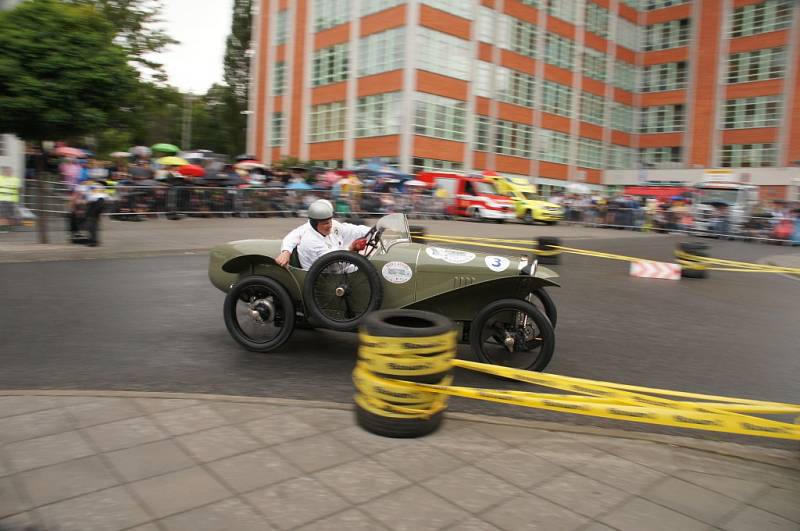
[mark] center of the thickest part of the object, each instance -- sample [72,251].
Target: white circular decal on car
[397,272]
[451,256]
[497,263]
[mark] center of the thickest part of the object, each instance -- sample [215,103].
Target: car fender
[464,303]
[233,260]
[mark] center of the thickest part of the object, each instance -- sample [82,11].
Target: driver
[321,235]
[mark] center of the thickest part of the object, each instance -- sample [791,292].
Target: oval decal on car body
[497,264]
[451,256]
[397,272]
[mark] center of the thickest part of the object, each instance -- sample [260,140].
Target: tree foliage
[136,27]
[61,74]
[237,47]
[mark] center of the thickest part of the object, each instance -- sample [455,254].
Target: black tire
[397,428]
[547,304]
[528,218]
[282,313]
[475,214]
[406,323]
[543,335]
[362,291]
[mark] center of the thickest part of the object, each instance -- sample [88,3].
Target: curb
[780,458]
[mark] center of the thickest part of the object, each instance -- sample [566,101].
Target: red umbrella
[66,151]
[192,170]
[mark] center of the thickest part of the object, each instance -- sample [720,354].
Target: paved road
[155,323]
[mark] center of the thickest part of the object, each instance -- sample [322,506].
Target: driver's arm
[354,234]
[290,241]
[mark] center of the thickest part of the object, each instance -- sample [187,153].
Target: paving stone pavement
[82,461]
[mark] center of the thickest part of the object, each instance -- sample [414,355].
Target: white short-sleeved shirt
[311,244]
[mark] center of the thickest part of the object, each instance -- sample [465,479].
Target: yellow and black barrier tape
[718,264]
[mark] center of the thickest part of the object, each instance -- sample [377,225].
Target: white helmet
[320,209]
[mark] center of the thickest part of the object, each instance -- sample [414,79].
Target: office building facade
[560,90]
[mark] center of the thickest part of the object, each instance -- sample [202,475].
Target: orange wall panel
[485,52]
[482,106]
[504,163]
[589,130]
[441,85]
[479,160]
[593,41]
[672,97]
[666,56]
[380,83]
[553,170]
[326,150]
[262,82]
[621,138]
[670,13]
[555,122]
[378,146]
[514,113]
[517,62]
[756,135]
[280,53]
[336,35]
[593,176]
[298,79]
[444,22]
[559,75]
[329,93]
[661,140]
[772,39]
[560,27]
[598,88]
[754,88]
[793,117]
[625,54]
[623,96]
[436,148]
[378,22]
[705,74]
[521,11]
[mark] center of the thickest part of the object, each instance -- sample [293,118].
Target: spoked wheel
[259,314]
[513,333]
[542,300]
[341,288]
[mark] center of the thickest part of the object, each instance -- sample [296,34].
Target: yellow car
[528,206]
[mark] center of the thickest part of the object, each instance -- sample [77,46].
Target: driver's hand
[283,258]
[358,245]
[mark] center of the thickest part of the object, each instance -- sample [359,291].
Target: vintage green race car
[498,302]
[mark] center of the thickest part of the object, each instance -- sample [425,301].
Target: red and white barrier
[652,269]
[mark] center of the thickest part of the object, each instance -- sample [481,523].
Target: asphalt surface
[155,323]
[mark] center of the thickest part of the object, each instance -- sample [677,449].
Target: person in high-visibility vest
[10,185]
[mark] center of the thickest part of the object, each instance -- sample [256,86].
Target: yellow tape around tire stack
[408,345]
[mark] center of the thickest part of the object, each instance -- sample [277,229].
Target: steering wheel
[373,238]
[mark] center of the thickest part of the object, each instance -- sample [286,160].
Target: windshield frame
[397,230]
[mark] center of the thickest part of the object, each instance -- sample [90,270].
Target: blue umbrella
[298,186]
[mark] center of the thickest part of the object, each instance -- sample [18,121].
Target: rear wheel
[259,314]
[528,218]
[476,214]
[513,333]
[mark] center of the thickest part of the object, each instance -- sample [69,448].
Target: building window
[622,117]
[559,51]
[592,108]
[281,33]
[373,6]
[420,164]
[553,146]
[590,153]
[330,13]
[556,98]
[753,19]
[459,8]
[594,64]
[596,19]
[279,78]
[439,117]
[656,156]
[482,84]
[523,37]
[513,138]
[621,157]
[625,76]
[482,124]
[277,135]
[748,155]
[378,115]
[664,76]
[512,86]
[330,65]
[486,30]
[381,52]
[636,4]
[762,111]
[662,119]
[563,9]
[628,34]
[443,54]
[650,5]
[328,122]
[756,65]
[667,35]
[534,3]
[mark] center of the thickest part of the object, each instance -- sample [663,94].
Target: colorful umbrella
[244,157]
[66,151]
[330,177]
[119,154]
[192,170]
[298,186]
[415,182]
[141,151]
[165,148]
[249,165]
[172,161]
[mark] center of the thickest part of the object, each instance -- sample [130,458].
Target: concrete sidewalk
[86,461]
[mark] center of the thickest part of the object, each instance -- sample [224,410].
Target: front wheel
[542,300]
[513,333]
[259,314]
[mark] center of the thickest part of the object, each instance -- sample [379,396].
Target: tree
[237,75]
[136,29]
[61,75]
